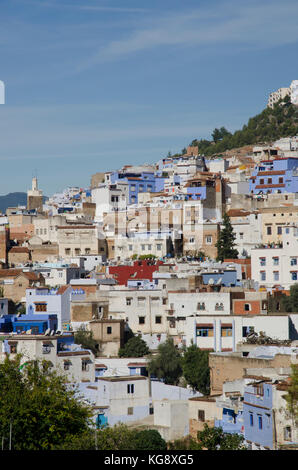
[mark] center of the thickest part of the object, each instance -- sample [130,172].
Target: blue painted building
[139,182]
[275,176]
[258,414]
[38,324]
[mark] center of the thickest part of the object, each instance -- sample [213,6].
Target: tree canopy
[292,394]
[135,347]
[86,340]
[166,364]
[119,437]
[37,408]
[226,241]
[195,367]
[290,303]
[210,438]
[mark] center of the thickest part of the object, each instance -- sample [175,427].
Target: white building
[277,265]
[294,92]
[50,302]
[110,197]
[275,96]
[222,334]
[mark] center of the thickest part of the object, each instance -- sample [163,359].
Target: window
[263,275]
[128,301]
[287,433]
[293,261]
[246,330]
[294,275]
[226,331]
[260,422]
[141,320]
[261,181]
[276,275]
[13,347]
[279,230]
[247,307]
[208,239]
[201,306]
[158,247]
[46,349]
[251,419]
[205,331]
[132,187]
[130,410]
[158,319]
[191,240]
[201,415]
[241,236]
[269,180]
[87,251]
[219,306]
[67,251]
[130,247]
[275,260]
[269,230]
[109,330]
[42,307]
[280,180]
[149,247]
[262,261]
[66,365]
[130,388]
[143,247]
[85,366]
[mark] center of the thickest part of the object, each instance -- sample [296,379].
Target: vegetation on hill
[270,125]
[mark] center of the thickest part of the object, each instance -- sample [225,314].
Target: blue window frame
[251,419]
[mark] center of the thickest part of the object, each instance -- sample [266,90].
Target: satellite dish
[58,332]
[47,332]
[219,281]
[211,281]
[52,332]
[29,332]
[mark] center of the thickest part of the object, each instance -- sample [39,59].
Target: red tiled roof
[19,249]
[62,289]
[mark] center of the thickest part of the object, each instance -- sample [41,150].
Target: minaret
[34,197]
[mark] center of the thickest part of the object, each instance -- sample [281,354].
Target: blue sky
[92,85]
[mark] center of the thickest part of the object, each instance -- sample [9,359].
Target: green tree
[226,241]
[37,408]
[86,340]
[166,364]
[216,439]
[135,347]
[290,303]
[195,367]
[119,437]
[149,439]
[292,394]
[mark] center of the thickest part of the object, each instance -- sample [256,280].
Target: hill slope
[268,126]
[12,200]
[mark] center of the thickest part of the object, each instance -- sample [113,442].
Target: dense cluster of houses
[137,251]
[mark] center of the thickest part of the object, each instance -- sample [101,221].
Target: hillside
[14,200]
[268,126]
